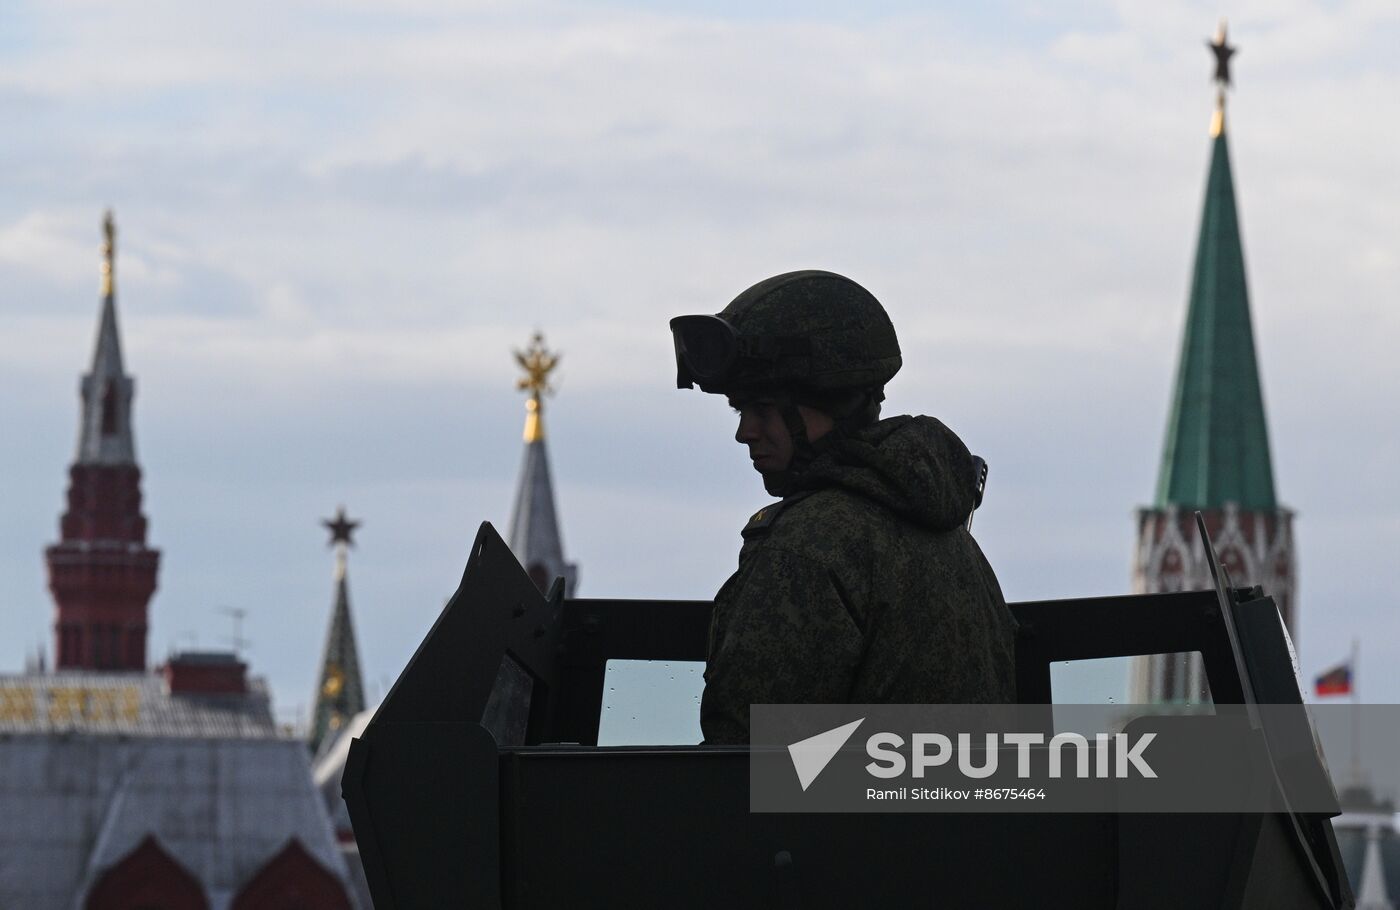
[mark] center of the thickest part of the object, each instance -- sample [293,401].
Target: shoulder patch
[763,519]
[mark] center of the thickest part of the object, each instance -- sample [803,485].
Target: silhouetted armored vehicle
[479,783]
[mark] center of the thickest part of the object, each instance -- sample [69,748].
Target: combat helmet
[811,330]
[800,338]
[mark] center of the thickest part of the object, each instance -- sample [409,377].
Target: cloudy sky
[337,219]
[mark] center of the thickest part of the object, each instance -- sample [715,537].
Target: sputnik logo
[810,756]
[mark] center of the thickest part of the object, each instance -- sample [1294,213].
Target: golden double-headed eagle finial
[537,361]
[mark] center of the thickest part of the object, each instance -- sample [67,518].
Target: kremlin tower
[1216,456]
[340,693]
[534,526]
[101,572]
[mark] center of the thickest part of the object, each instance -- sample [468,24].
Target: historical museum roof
[92,765]
[129,704]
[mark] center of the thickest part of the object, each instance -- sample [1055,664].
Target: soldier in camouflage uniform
[862,584]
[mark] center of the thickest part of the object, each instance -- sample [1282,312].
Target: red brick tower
[101,572]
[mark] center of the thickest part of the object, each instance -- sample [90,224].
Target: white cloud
[48,243]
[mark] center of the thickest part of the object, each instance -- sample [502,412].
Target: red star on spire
[1223,52]
[341,528]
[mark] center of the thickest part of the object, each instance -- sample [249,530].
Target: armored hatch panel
[479,782]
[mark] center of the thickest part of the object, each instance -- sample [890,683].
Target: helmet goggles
[710,353]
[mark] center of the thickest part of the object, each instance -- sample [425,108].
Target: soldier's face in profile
[765,433]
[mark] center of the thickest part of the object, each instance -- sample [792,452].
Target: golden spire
[537,362]
[109,252]
[1217,119]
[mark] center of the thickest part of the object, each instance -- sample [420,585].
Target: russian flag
[1336,681]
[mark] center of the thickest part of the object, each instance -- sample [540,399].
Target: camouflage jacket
[862,586]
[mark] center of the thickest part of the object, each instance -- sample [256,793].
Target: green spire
[340,693]
[1217,447]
